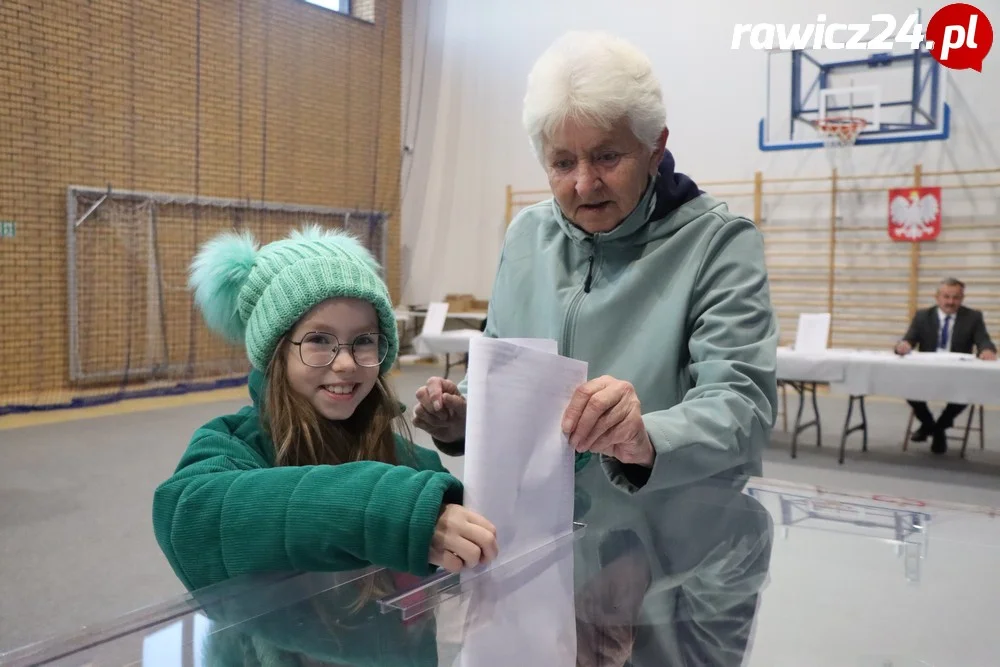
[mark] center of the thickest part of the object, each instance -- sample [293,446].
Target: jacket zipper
[574,306]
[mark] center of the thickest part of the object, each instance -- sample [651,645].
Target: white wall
[470,144]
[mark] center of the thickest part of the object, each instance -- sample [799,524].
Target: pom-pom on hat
[253,295]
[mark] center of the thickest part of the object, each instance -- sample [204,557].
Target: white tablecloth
[917,376]
[809,367]
[456,315]
[446,342]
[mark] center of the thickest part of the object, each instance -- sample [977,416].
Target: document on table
[945,357]
[519,475]
[813,332]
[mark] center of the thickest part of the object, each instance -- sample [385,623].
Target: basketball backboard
[899,94]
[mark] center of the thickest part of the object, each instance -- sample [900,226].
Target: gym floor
[76,490]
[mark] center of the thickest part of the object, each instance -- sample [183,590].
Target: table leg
[798,419]
[801,388]
[982,438]
[819,431]
[848,429]
[864,427]
[784,407]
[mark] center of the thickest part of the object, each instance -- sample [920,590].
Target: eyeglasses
[318,349]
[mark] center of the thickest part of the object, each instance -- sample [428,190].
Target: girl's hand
[461,539]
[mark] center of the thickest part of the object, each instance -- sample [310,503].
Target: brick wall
[273,100]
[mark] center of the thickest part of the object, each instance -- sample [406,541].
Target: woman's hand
[461,539]
[440,410]
[604,417]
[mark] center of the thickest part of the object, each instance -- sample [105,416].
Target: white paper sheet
[519,475]
[813,332]
[518,462]
[437,313]
[523,613]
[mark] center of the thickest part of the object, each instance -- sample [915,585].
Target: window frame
[346,12]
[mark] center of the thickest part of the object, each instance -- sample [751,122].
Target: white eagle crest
[912,217]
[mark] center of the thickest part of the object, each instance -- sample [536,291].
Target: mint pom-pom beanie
[254,295]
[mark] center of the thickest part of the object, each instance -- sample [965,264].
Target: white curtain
[453,180]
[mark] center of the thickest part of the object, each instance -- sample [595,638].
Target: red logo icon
[959,36]
[914,214]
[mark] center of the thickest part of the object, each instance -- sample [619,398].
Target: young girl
[312,476]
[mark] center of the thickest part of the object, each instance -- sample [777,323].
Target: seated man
[947,327]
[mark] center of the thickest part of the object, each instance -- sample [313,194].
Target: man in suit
[947,327]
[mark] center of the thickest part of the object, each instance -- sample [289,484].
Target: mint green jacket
[227,510]
[674,300]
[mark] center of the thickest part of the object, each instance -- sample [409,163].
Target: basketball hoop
[840,131]
[839,134]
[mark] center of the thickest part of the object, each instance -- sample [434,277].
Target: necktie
[944,333]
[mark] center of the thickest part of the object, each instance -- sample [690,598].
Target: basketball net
[839,135]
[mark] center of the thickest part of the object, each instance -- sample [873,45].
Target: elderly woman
[633,269]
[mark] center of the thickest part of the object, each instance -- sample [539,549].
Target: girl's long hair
[302,437]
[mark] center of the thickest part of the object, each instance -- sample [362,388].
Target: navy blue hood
[673,189]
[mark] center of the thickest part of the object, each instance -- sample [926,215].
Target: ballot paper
[523,613]
[519,475]
[518,462]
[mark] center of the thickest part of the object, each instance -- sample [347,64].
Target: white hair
[596,78]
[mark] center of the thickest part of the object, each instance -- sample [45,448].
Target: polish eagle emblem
[914,214]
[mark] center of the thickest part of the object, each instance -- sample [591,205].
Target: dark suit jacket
[967,330]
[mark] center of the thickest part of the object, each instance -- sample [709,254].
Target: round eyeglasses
[318,349]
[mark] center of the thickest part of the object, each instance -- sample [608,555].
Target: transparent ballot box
[722,572]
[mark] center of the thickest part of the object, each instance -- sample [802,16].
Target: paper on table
[813,332]
[518,462]
[941,356]
[519,475]
[437,313]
